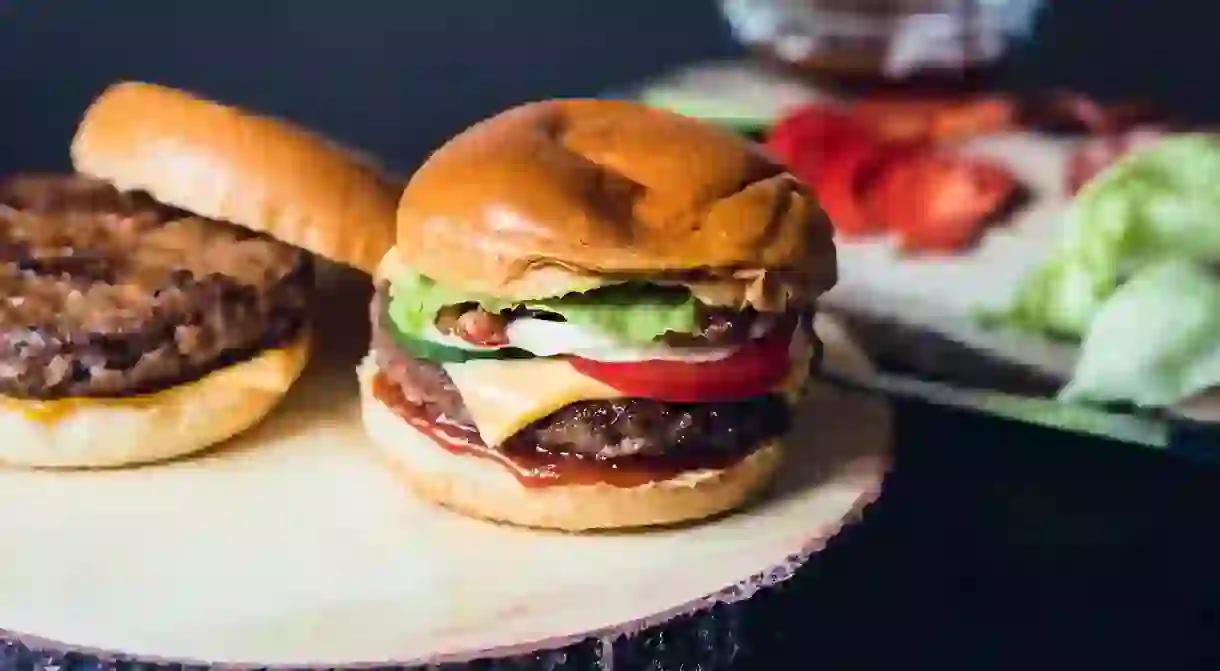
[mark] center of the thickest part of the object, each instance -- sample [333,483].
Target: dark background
[397,77]
[994,546]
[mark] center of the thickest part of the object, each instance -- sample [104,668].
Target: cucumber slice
[427,350]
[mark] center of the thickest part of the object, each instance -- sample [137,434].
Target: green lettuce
[629,312]
[1156,341]
[1161,203]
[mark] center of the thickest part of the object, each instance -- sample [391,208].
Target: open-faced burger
[157,302]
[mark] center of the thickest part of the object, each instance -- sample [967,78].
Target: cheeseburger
[157,302]
[597,315]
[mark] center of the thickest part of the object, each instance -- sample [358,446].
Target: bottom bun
[482,488]
[111,432]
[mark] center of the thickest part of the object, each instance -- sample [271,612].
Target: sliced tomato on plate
[755,369]
[838,191]
[873,167]
[947,199]
[974,118]
[894,192]
[935,119]
[837,157]
[845,186]
[902,120]
[812,137]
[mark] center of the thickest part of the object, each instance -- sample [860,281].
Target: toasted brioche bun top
[568,195]
[224,163]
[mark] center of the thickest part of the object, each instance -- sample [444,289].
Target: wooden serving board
[294,546]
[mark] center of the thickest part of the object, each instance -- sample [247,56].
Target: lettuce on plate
[1157,204]
[631,312]
[1134,278]
[1156,341]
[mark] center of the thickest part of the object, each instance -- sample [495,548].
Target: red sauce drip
[539,468]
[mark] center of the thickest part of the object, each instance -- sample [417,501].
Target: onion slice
[549,338]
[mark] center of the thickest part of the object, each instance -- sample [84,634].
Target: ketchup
[538,468]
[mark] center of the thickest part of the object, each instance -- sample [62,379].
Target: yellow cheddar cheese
[504,396]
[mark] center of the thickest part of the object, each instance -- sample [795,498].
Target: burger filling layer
[644,390]
[108,294]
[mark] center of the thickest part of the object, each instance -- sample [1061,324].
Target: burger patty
[611,429]
[105,293]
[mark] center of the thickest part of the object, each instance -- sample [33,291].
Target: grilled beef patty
[104,293]
[623,427]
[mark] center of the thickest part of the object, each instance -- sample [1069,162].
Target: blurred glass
[876,42]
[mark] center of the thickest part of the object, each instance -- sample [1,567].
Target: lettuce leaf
[1154,342]
[630,312]
[1161,203]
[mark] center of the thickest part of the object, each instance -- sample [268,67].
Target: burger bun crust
[568,195]
[224,163]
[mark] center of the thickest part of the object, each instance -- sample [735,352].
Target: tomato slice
[893,194]
[755,369]
[974,118]
[837,190]
[833,153]
[812,136]
[901,120]
[935,119]
[845,187]
[871,168]
[952,197]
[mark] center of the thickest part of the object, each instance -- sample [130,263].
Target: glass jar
[883,42]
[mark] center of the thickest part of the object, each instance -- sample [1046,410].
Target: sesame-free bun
[568,195]
[225,163]
[481,488]
[187,418]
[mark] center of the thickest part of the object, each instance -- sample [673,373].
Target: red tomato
[952,197]
[983,116]
[836,190]
[935,119]
[846,189]
[893,194]
[843,186]
[898,119]
[812,136]
[755,369]
[834,154]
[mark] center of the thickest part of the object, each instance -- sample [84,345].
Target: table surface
[993,541]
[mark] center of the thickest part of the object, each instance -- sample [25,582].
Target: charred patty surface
[104,293]
[603,429]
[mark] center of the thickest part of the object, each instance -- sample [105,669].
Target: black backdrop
[393,76]
[398,76]
[995,546]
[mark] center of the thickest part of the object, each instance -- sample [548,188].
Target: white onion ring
[548,338]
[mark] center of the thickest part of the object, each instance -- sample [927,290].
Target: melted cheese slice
[504,397]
